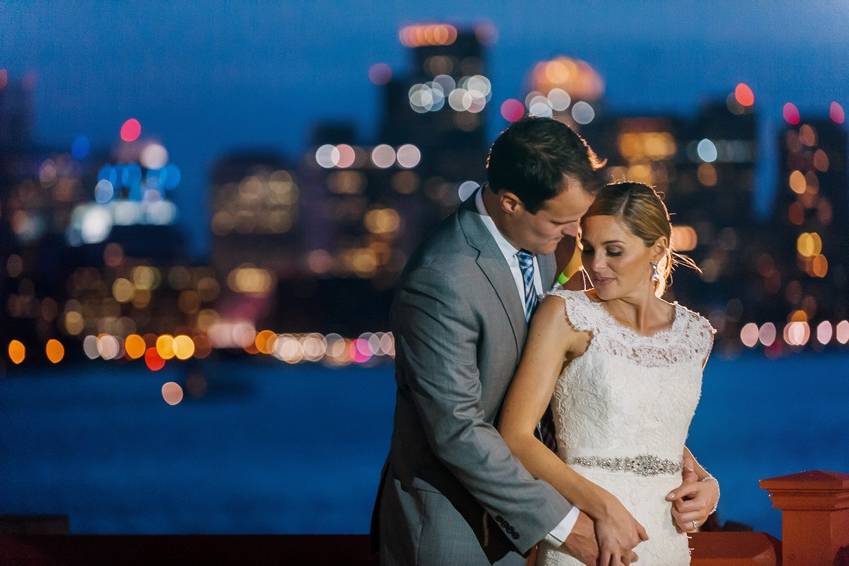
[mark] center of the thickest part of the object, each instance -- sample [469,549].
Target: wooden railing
[815,532]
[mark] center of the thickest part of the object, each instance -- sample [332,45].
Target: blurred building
[712,202]
[369,205]
[255,211]
[17,111]
[810,262]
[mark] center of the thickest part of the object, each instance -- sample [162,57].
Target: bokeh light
[512,110]
[153,360]
[797,333]
[172,393]
[183,346]
[347,156]
[767,334]
[744,95]
[836,113]
[684,238]
[134,346]
[17,352]
[383,156]
[408,156]
[466,189]
[797,182]
[559,99]
[90,348]
[707,151]
[583,113]
[824,332]
[264,341]
[380,73]
[131,130]
[154,156]
[165,346]
[54,350]
[103,191]
[791,114]
[749,334]
[841,331]
[327,156]
[108,346]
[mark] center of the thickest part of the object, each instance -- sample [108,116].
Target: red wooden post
[814,516]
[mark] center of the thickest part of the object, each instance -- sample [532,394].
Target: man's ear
[509,202]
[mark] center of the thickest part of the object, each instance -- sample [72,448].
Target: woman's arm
[697,496]
[548,343]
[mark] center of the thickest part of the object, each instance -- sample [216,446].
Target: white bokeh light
[408,156]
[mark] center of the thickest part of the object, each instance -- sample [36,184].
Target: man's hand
[692,501]
[618,533]
[581,542]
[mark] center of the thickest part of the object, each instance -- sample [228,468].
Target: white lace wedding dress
[622,411]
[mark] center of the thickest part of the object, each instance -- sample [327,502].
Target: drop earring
[655,274]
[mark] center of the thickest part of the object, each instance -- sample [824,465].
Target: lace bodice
[629,394]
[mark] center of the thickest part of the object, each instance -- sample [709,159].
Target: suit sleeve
[436,336]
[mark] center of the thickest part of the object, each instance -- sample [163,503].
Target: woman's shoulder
[575,306]
[694,320]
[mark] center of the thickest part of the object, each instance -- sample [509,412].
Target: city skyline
[246,95]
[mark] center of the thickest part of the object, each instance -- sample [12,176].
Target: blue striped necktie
[526,265]
[545,429]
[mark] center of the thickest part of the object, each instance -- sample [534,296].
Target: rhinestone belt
[644,465]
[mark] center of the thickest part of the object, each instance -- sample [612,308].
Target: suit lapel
[491,261]
[547,267]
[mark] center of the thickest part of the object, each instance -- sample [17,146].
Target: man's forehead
[573,200]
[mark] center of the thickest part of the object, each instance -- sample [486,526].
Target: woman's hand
[693,501]
[617,533]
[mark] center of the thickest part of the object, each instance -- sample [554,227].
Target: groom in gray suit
[451,492]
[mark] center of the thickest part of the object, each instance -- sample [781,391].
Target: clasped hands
[610,539]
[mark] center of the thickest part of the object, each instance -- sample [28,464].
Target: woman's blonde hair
[644,213]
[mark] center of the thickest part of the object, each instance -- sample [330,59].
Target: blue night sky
[208,77]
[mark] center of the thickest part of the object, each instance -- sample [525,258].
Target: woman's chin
[604,290]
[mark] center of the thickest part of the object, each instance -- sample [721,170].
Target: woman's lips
[602,280]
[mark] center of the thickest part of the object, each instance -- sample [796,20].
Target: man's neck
[491,204]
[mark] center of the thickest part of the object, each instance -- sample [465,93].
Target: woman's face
[618,262]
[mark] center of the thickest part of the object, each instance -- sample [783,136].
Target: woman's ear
[659,248]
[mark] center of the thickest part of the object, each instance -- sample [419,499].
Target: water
[273,448]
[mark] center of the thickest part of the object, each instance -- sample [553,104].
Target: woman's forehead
[601,228]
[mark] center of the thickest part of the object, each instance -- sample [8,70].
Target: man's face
[559,216]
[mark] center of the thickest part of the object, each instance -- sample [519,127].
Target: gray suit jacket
[451,491]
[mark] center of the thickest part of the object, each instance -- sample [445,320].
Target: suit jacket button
[515,535]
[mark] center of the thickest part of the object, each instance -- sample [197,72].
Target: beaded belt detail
[644,465]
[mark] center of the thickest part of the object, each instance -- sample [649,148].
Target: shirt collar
[508,249]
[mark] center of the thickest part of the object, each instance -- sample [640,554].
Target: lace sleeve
[576,310]
[699,335]
[707,333]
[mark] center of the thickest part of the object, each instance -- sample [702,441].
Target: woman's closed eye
[612,252]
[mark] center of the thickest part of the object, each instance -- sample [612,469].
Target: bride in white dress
[621,369]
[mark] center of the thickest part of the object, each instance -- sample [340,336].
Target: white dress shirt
[562,530]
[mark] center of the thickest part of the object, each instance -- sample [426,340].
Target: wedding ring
[695,526]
